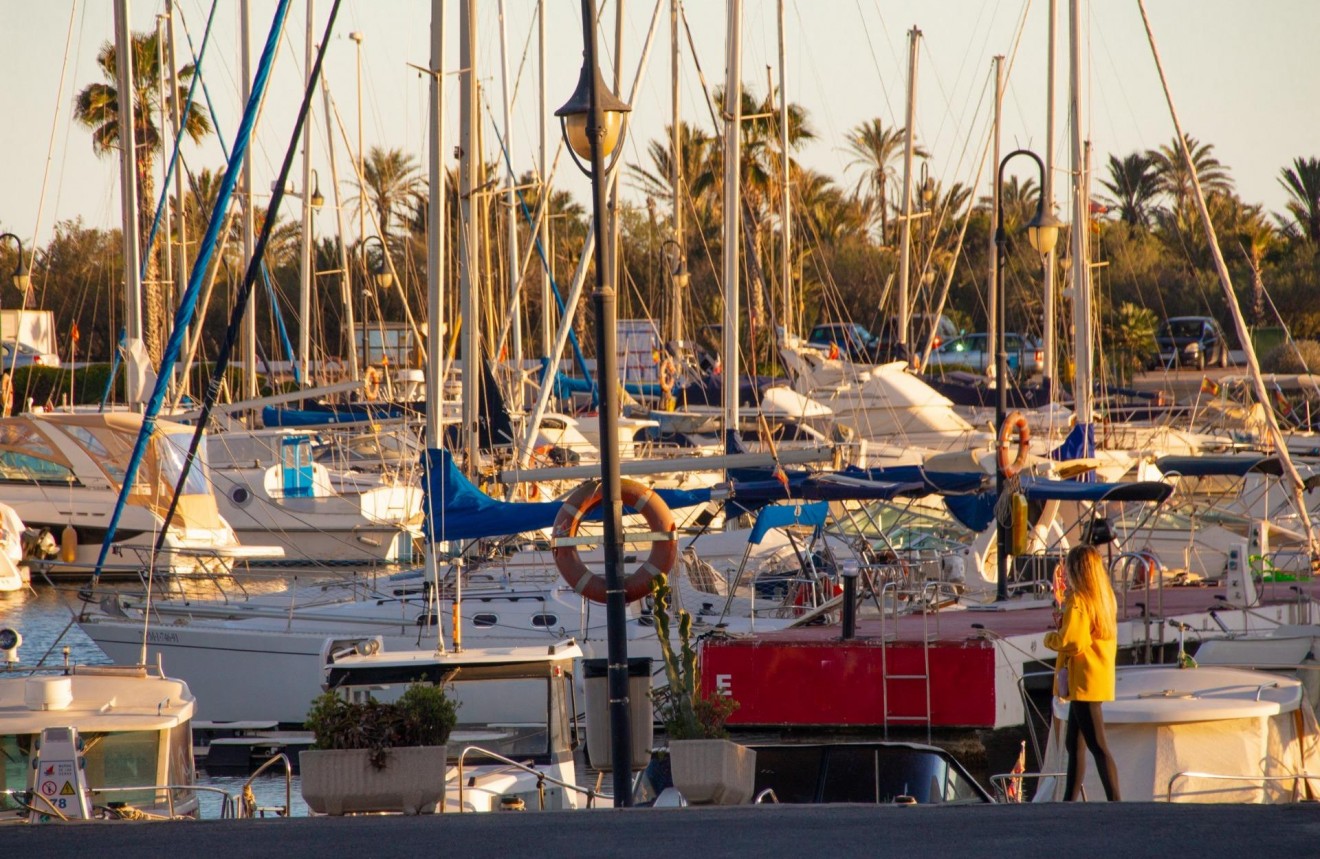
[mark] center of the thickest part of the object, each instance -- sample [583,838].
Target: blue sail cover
[1041,489]
[1220,466]
[464,512]
[783,515]
[317,414]
[1080,444]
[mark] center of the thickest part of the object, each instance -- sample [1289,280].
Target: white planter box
[339,782]
[716,772]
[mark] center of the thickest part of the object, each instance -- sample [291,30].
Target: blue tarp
[783,515]
[318,415]
[465,512]
[975,511]
[1080,444]
[947,482]
[1220,466]
[1038,489]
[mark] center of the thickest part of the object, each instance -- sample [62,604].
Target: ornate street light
[592,124]
[317,200]
[22,278]
[1042,232]
[380,273]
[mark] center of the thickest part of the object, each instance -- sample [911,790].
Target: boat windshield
[114,760]
[173,450]
[507,717]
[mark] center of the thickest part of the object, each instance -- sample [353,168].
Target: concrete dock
[1018,831]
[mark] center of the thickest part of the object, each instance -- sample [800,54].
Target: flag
[1281,402]
[74,334]
[834,351]
[1013,790]
[781,475]
[1209,386]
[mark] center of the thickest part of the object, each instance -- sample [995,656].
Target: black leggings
[1084,718]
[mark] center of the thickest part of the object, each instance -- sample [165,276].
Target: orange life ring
[668,374]
[371,383]
[638,496]
[1015,421]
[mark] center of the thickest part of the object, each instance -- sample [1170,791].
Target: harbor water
[44,616]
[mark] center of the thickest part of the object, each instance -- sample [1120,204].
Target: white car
[27,356]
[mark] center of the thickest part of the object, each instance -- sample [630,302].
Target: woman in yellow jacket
[1087,642]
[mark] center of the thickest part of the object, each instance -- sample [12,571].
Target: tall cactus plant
[688,713]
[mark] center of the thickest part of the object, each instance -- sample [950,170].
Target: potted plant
[374,756]
[706,766]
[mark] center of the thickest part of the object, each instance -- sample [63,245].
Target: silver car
[968,352]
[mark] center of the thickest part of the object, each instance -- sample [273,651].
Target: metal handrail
[227,808]
[541,777]
[288,781]
[767,794]
[1302,776]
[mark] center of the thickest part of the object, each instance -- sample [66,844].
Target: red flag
[834,351]
[1013,790]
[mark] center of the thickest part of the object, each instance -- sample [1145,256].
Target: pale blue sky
[1244,76]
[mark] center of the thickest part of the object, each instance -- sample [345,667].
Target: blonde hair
[1088,582]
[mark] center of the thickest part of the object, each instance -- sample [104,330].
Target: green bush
[423,716]
[1299,356]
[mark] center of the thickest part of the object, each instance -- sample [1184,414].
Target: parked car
[1192,341]
[852,340]
[918,331]
[968,352]
[28,356]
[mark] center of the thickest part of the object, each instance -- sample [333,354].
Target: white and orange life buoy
[668,375]
[371,383]
[639,497]
[1014,422]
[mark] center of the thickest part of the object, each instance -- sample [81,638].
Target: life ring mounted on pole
[668,374]
[1014,422]
[637,496]
[371,384]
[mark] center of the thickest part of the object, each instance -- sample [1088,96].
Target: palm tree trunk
[884,208]
[154,310]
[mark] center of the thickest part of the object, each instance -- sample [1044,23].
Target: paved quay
[1018,831]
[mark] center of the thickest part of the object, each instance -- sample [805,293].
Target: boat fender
[668,374]
[639,497]
[1015,422]
[69,544]
[1018,545]
[371,384]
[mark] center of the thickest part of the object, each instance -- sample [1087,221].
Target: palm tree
[1134,185]
[391,183]
[97,107]
[1173,178]
[1255,237]
[1302,182]
[875,149]
[700,158]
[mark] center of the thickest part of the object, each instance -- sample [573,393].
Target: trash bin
[595,673]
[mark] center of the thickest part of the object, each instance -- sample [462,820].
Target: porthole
[240,495]
[545,621]
[484,621]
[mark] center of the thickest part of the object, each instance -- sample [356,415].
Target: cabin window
[172,450]
[123,759]
[18,467]
[484,621]
[545,621]
[14,767]
[97,448]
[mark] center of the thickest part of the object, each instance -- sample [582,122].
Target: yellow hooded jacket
[1089,660]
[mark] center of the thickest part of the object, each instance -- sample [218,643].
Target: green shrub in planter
[423,716]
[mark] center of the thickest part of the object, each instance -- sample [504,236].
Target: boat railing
[247,801]
[767,795]
[228,805]
[1297,778]
[541,777]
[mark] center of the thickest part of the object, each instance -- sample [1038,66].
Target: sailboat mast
[992,301]
[128,192]
[1081,268]
[788,317]
[180,212]
[249,218]
[345,276]
[435,233]
[468,165]
[543,162]
[510,197]
[1047,197]
[732,221]
[905,243]
[676,172]
[305,274]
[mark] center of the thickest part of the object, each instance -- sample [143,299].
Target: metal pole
[305,279]
[180,210]
[345,276]
[469,164]
[435,235]
[788,317]
[250,389]
[732,211]
[607,377]
[1047,201]
[905,242]
[357,37]
[128,190]
[1081,269]
[612,191]
[167,268]
[547,301]
[511,202]
[992,310]
[676,169]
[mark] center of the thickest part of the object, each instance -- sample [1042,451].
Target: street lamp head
[575,115]
[22,279]
[1043,232]
[381,274]
[317,200]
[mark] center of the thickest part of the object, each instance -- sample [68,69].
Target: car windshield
[1183,328]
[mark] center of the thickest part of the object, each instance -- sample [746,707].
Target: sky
[1243,76]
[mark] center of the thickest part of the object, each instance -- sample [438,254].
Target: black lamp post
[592,123]
[1042,232]
[22,279]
